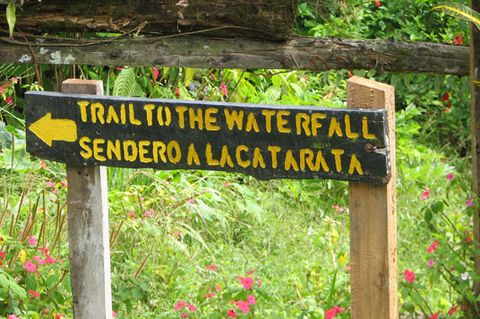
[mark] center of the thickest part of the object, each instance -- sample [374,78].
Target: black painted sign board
[267,142]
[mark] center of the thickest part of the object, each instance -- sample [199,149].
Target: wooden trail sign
[264,141]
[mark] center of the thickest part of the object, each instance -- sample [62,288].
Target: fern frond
[126,84]
[460,11]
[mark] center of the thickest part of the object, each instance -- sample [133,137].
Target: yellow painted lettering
[225,158]
[98,149]
[98,110]
[174,152]
[290,162]
[149,113]
[195,118]
[181,115]
[123,114]
[158,150]
[337,153]
[238,155]
[306,159]
[86,152]
[112,115]
[316,124]
[334,128]
[234,118]
[143,152]
[192,155]
[355,165]
[302,121]
[274,150]
[320,161]
[209,155]
[211,119]
[131,115]
[268,119]
[258,158]
[168,116]
[251,123]
[114,149]
[130,151]
[366,134]
[83,109]
[348,128]
[282,122]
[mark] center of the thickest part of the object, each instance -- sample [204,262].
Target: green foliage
[460,11]
[11,17]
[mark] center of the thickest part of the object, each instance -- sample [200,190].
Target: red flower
[8,100]
[231,313]
[469,237]
[433,246]
[179,305]
[43,164]
[409,276]
[224,89]
[34,294]
[350,74]
[458,40]
[211,267]
[452,310]
[378,3]
[61,315]
[435,315]
[425,194]
[445,97]
[155,72]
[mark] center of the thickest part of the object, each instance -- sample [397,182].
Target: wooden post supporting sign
[373,245]
[88,234]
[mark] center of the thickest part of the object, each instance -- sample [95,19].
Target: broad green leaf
[11,17]
[189,73]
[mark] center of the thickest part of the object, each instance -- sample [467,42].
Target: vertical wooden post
[373,242]
[475,112]
[88,236]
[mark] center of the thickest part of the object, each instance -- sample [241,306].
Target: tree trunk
[268,19]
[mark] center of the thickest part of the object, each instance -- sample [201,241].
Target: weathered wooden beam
[299,52]
[267,19]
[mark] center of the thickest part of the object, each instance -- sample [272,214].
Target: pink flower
[191,307]
[50,260]
[224,89]
[29,266]
[430,263]
[409,276]
[450,176]
[435,315]
[339,309]
[330,313]
[247,283]
[378,3]
[211,267]
[179,305]
[131,214]
[39,260]
[148,213]
[43,164]
[425,194]
[469,201]
[184,315]
[338,208]
[433,246]
[12,317]
[114,314]
[32,241]
[50,184]
[155,72]
[209,295]
[231,313]
[251,300]
[452,310]
[8,100]
[243,306]
[64,184]
[34,294]
[469,237]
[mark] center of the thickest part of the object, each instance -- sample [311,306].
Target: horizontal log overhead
[304,53]
[267,19]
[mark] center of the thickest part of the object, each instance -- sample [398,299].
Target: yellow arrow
[49,130]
